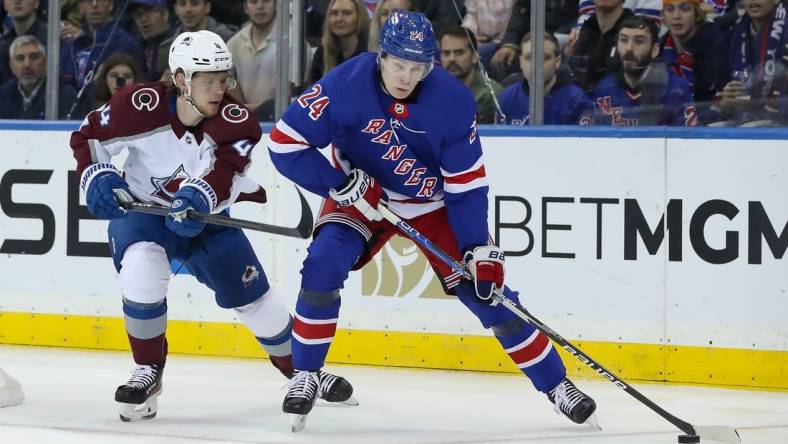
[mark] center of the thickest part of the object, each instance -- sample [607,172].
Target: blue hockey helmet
[409,36]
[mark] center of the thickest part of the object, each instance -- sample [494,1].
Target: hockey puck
[689,438]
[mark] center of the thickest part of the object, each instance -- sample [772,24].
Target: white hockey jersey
[163,154]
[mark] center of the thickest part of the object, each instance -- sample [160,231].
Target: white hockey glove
[361,193]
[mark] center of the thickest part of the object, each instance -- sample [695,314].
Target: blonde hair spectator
[382,13]
[336,20]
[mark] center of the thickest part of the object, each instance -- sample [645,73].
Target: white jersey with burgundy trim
[163,154]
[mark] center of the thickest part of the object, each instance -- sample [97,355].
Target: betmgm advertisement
[662,257]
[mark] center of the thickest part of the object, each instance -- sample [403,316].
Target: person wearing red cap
[689,48]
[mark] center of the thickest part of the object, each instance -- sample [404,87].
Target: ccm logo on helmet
[234,113]
[145,99]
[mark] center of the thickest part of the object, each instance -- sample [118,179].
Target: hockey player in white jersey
[189,146]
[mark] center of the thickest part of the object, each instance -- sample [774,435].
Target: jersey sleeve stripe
[284,139]
[479,163]
[466,177]
[463,187]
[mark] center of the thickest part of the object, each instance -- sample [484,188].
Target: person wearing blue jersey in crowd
[643,91]
[689,48]
[564,102]
[402,130]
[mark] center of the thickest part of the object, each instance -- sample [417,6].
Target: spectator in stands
[194,15]
[100,38]
[24,96]
[564,102]
[643,91]
[752,65]
[70,19]
[589,58]
[690,47]
[116,72]
[24,21]
[254,54]
[229,11]
[382,13]
[647,8]
[151,17]
[487,19]
[442,13]
[458,56]
[560,17]
[345,34]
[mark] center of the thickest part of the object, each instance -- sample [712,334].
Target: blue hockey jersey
[565,104]
[668,102]
[424,151]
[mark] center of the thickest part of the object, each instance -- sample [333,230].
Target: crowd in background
[606,62]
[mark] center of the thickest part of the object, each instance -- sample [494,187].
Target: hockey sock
[279,349]
[145,326]
[314,327]
[532,352]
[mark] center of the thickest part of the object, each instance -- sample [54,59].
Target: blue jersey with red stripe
[565,104]
[618,105]
[424,150]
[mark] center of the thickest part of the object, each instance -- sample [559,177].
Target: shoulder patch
[145,99]
[234,113]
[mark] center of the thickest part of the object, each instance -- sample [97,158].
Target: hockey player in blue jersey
[643,91]
[403,130]
[564,102]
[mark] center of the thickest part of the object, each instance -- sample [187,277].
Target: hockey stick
[692,433]
[302,231]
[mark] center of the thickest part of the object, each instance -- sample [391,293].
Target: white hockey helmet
[201,51]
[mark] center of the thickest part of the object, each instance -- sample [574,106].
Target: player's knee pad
[267,317]
[509,327]
[317,299]
[145,273]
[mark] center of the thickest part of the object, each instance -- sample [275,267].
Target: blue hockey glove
[101,195]
[178,220]
[486,265]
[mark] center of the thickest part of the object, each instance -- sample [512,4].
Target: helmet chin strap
[188,96]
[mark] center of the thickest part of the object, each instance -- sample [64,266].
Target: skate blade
[138,412]
[350,401]
[593,422]
[297,422]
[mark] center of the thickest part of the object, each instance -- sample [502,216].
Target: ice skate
[302,391]
[10,390]
[574,404]
[137,397]
[336,389]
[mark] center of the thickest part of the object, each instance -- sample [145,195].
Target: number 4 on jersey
[316,106]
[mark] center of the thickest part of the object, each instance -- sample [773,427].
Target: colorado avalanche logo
[166,187]
[235,113]
[249,275]
[145,99]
